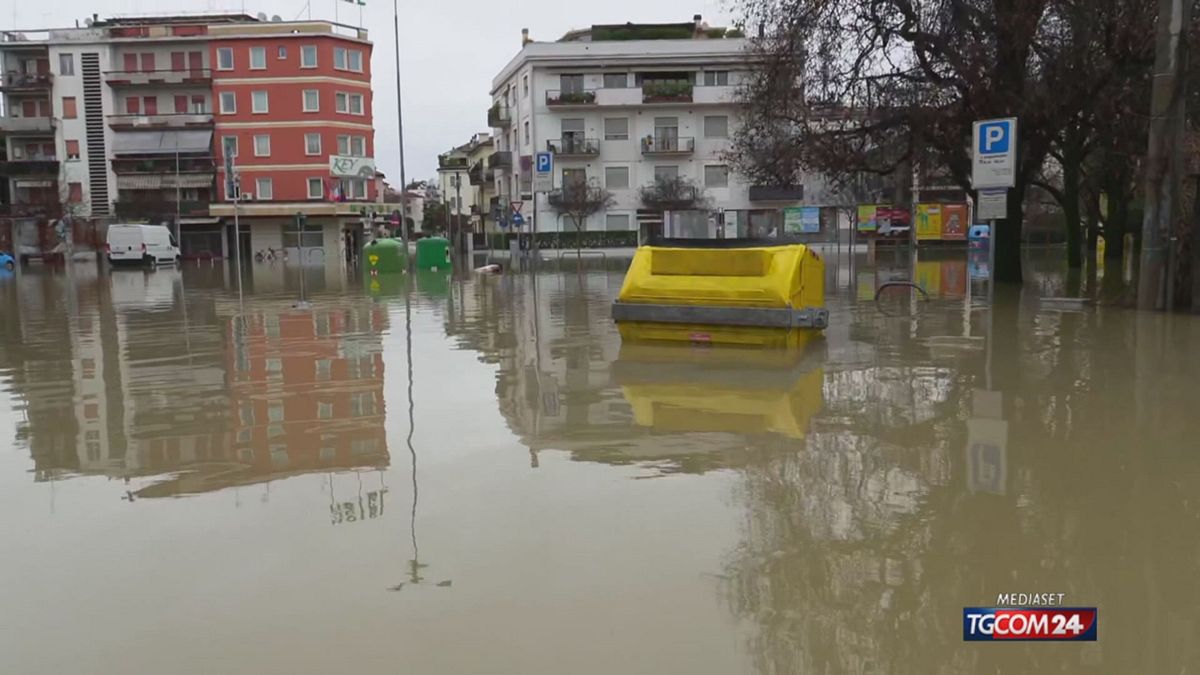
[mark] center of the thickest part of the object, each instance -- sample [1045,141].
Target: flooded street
[474,475]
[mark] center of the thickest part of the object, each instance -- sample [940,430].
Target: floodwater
[475,476]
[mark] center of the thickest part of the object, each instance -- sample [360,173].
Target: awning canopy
[162,142]
[156,181]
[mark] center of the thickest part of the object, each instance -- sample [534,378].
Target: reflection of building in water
[134,386]
[305,393]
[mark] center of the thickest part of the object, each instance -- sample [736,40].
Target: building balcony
[163,121]
[667,91]
[167,77]
[499,116]
[501,159]
[29,167]
[39,210]
[776,193]
[453,162]
[574,147]
[35,126]
[480,175]
[149,209]
[585,98]
[668,145]
[15,81]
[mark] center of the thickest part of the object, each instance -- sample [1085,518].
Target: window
[343,145]
[263,189]
[228,103]
[324,368]
[616,222]
[571,84]
[312,144]
[324,410]
[130,63]
[258,101]
[525,86]
[199,104]
[308,56]
[181,104]
[339,58]
[358,146]
[262,145]
[716,176]
[616,128]
[229,146]
[356,104]
[574,176]
[150,105]
[527,132]
[340,103]
[178,61]
[312,100]
[133,105]
[316,188]
[66,64]
[616,80]
[148,63]
[224,58]
[282,53]
[716,126]
[69,112]
[572,128]
[716,78]
[666,172]
[75,192]
[72,149]
[258,58]
[616,177]
[355,60]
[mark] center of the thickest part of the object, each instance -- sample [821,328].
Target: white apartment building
[618,112]
[465,180]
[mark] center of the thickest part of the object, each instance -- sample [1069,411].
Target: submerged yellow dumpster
[723,291]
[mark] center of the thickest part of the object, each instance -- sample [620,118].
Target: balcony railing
[137,209]
[160,121]
[666,91]
[131,78]
[574,147]
[499,116]
[582,97]
[480,175]
[453,163]
[29,167]
[14,80]
[27,125]
[501,159]
[668,145]
[164,165]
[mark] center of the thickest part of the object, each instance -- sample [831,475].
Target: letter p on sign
[994,138]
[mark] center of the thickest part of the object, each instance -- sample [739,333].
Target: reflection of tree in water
[859,552]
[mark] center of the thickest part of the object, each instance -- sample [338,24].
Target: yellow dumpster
[724,291]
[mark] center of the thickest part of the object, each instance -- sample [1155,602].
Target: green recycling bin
[383,256]
[433,253]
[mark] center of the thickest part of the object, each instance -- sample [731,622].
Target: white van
[141,245]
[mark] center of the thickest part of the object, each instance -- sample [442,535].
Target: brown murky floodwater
[196,483]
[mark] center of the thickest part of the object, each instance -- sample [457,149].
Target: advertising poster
[929,222]
[954,222]
[866,217]
[793,220]
[883,218]
[929,276]
[810,220]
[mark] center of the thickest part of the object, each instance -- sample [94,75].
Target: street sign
[994,153]
[992,205]
[543,172]
[516,206]
[517,219]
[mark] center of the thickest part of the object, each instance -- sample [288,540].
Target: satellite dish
[262,16]
[88,22]
[277,18]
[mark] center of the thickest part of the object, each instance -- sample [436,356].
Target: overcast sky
[449,51]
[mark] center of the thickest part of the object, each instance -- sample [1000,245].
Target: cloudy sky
[449,51]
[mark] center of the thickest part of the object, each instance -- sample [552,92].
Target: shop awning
[162,142]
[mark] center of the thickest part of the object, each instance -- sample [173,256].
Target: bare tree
[676,193]
[578,200]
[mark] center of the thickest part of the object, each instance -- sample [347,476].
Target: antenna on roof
[276,17]
[88,22]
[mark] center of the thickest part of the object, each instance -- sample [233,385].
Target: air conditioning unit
[247,197]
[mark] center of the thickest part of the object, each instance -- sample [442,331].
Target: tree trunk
[1008,239]
[1116,227]
[1071,219]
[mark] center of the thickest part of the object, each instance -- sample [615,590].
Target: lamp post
[400,131]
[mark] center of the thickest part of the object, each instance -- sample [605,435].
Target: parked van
[141,245]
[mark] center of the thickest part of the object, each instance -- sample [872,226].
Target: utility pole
[400,130]
[458,215]
[1164,159]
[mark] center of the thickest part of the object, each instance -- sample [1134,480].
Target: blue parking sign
[995,137]
[545,163]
